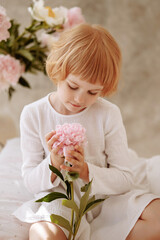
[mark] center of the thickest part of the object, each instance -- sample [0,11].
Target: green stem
[21,35]
[77,227]
[72,214]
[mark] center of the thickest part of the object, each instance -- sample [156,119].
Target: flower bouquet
[27,51]
[71,135]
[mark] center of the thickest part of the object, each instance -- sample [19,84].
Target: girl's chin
[73,109]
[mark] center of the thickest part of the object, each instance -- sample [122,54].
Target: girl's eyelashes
[92,93]
[75,88]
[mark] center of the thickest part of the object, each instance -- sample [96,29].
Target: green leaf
[24,41]
[51,197]
[71,176]
[38,66]
[61,221]
[59,174]
[68,189]
[2,51]
[36,25]
[34,22]
[22,81]
[56,171]
[14,29]
[10,92]
[11,41]
[85,187]
[4,48]
[84,199]
[51,31]
[3,45]
[92,205]
[91,199]
[25,53]
[72,205]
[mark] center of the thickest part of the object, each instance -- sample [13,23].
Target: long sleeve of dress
[35,168]
[116,179]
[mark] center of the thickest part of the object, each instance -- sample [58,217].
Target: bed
[12,192]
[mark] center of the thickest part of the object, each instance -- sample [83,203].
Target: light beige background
[136,26]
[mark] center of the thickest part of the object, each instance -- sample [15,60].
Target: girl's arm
[35,168]
[116,179]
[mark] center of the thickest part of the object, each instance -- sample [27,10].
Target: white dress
[116,170]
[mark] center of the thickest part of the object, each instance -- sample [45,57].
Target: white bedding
[12,192]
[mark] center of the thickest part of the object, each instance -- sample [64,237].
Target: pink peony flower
[10,71]
[74,17]
[49,39]
[70,135]
[4,24]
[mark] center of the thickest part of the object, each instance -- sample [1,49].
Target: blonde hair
[88,51]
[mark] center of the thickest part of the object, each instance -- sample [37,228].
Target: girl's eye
[73,88]
[91,93]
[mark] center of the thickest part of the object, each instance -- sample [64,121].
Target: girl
[85,65]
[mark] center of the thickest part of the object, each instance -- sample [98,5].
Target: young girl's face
[74,95]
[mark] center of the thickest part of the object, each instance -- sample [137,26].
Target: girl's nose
[79,98]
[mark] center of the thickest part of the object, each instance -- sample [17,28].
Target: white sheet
[12,192]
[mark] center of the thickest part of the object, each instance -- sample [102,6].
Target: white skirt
[119,215]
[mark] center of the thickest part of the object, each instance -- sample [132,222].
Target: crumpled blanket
[12,192]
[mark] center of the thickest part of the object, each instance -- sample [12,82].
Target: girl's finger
[72,161]
[52,140]
[78,156]
[69,169]
[79,149]
[49,135]
[58,148]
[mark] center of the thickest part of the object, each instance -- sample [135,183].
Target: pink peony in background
[31,46]
[74,17]
[10,71]
[70,135]
[4,24]
[49,39]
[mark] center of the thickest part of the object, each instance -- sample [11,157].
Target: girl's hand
[56,159]
[76,159]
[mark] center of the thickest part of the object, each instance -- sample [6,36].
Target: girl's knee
[152,212]
[156,229]
[38,231]
[46,231]
[34,231]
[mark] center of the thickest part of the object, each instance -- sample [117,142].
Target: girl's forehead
[77,80]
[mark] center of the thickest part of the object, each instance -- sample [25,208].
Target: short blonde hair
[88,51]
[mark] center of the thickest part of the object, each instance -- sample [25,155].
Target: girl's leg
[148,225]
[46,231]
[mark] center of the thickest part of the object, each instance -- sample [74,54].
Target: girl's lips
[74,105]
